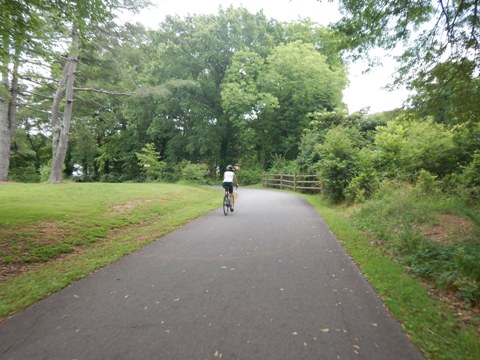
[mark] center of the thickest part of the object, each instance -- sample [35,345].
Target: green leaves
[270,98]
[440,44]
[149,161]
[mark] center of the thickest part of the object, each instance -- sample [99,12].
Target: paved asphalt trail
[267,282]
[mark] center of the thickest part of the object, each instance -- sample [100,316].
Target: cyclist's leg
[226,192]
[230,190]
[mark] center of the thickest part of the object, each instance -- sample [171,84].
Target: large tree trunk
[61,126]
[8,123]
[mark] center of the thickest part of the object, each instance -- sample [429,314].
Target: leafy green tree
[270,99]
[150,163]
[185,75]
[449,92]
[300,78]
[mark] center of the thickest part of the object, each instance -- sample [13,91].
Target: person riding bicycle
[229,179]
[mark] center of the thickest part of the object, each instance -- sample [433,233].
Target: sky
[364,90]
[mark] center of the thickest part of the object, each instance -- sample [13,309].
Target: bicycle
[226,202]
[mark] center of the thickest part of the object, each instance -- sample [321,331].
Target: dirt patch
[447,229]
[22,239]
[9,270]
[130,205]
[44,233]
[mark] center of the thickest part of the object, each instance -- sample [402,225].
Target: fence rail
[295,182]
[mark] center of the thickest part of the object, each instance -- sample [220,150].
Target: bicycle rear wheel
[226,204]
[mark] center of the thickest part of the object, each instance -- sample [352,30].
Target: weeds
[397,217]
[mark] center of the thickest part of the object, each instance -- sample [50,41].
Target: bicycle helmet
[229,167]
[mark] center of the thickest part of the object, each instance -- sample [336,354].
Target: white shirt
[228,176]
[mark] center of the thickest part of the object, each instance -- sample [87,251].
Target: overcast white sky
[363,91]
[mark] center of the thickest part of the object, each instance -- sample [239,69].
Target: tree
[433,33]
[29,31]
[271,98]
[150,163]
[22,27]
[61,125]
[185,77]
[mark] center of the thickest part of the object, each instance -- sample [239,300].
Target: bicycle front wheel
[226,205]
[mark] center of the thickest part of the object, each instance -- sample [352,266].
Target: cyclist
[229,179]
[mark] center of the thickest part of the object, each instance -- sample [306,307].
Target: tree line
[85,98]
[204,90]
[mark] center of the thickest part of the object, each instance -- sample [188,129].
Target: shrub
[27,174]
[427,183]
[281,165]
[337,166]
[366,183]
[250,176]
[193,172]
[405,147]
[470,180]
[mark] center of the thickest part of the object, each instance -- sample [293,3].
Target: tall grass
[397,218]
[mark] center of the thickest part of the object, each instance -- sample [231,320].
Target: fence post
[295,182]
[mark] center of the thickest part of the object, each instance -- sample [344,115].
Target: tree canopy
[441,48]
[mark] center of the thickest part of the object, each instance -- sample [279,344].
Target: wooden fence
[295,182]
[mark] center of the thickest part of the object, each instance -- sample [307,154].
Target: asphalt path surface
[269,281]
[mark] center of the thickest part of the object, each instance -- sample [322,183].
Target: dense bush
[338,160]
[404,147]
[250,176]
[470,180]
[281,165]
[193,172]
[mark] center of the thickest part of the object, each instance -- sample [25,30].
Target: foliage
[364,185]
[470,181]
[440,44]
[194,172]
[149,161]
[338,157]
[250,175]
[270,99]
[404,148]
[280,165]
[430,323]
[396,216]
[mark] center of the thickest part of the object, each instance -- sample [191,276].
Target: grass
[64,232]
[430,324]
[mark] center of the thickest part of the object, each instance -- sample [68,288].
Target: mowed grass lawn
[52,235]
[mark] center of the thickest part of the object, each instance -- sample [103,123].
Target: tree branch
[36,109]
[35,81]
[24,92]
[447,20]
[103,91]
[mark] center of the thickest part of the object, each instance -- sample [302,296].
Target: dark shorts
[228,186]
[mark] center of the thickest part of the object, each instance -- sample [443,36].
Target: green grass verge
[100,224]
[428,322]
